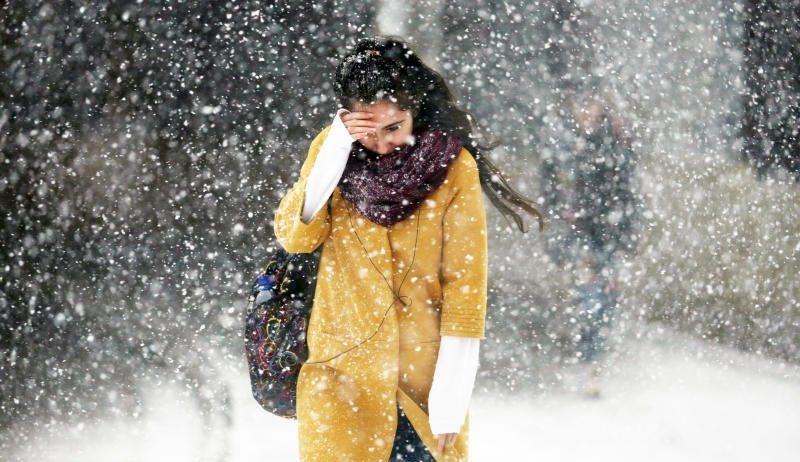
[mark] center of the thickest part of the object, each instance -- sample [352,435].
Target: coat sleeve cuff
[292,232]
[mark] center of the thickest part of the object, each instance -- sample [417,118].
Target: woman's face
[393,126]
[588,116]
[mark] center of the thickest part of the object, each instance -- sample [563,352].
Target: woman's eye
[392,128]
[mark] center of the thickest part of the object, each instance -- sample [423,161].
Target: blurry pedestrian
[588,182]
[401,294]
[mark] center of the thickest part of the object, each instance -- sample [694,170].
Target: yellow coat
[347,407]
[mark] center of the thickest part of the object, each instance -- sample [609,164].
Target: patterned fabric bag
[275,328]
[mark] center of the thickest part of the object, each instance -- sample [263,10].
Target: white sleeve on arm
[327,169]
[453,381]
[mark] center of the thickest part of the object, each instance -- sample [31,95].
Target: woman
[400,302]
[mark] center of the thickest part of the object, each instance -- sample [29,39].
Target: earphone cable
[396,295]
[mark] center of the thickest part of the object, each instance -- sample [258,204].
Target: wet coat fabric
[589,181]
[384,347]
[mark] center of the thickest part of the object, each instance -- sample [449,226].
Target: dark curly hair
[386,68]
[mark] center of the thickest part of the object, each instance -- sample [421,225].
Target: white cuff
[327,169]
[453,381]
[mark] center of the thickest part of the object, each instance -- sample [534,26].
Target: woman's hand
[359,124]
[444,440]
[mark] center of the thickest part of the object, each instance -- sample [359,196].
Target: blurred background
[145,145]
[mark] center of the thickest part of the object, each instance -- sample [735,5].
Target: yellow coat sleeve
[464,254]
[292,234]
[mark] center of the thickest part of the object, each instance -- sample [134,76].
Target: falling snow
[144,147]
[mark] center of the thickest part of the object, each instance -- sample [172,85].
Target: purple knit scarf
[388,188]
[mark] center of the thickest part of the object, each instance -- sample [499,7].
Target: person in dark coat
[588,183]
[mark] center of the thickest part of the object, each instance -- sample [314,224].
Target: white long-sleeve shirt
[453,381]
[327,169]
[457,363]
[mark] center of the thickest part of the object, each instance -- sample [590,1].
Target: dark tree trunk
[771,124]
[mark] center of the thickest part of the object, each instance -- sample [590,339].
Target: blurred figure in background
[588,168]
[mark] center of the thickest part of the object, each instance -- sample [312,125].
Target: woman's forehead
[382,111]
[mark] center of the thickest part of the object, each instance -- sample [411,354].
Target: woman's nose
[386,144]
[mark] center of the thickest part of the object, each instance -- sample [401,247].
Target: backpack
[275,328]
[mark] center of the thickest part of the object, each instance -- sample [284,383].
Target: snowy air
[194,267]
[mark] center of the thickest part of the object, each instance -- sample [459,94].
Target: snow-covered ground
[667,397]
